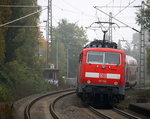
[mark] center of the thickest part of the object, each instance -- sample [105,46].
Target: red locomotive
[104,72]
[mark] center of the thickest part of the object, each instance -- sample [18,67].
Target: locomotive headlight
[88,81]
[115,83]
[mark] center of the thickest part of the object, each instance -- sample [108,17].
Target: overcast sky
[84,14]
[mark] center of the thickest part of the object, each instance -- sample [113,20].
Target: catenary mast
[49,29]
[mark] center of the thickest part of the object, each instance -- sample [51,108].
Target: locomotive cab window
[112,58]
[97,57]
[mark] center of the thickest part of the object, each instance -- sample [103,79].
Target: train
[104,73]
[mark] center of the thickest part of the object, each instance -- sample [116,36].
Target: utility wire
[109,3]
[72,6]
[22,17]
[74,12]
[117,20]
[125,7]
[25,26]
[116,6]
[81,12]
[62,9]
[55,20]
[101,25]
[21,6]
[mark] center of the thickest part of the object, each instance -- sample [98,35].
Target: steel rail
[28,107]
[130,116]
[104,116]
[120,112]
[52,110]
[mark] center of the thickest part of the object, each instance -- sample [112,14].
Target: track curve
[52,106]
[39,100]
[113,113]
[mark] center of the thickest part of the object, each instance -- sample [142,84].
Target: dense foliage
[20,73]
[5,15]
[20,61]
[68,41]
[145,20]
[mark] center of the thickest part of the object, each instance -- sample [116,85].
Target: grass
[135,96]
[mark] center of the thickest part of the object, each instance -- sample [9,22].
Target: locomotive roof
[101,44]
[103,50]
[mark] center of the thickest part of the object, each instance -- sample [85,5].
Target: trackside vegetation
[21,66]
[20,73]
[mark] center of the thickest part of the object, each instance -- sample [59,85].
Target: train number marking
[102,75]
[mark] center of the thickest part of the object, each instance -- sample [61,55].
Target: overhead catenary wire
[62,9]
[96,33]
[125,7]
[54,19]
[115,6]
[102,26]
[22,17]
[70,5]
[109,3]
[77,9]
[74,12]
[96,7]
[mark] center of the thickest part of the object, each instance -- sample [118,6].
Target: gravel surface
[19,106]
[139,115]
[40,109]
[71,107]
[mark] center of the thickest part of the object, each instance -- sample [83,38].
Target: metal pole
[57,55]
[110,27]
[50,19]
[48,30]
[47,44]
[142,50]
[67,63]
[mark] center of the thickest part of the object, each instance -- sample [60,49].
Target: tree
[20,71]
[127,48]
[70,39]
[5,15]
[143,17]
[21,43]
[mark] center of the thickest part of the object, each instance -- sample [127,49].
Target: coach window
[95,57]
[112,58]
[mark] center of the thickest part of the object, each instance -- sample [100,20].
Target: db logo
[102,75]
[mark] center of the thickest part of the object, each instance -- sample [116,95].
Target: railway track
[112,113]
[52,106]
[56,98]
[102,113]
[36,102]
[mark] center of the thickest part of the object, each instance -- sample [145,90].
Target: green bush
[17,81]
